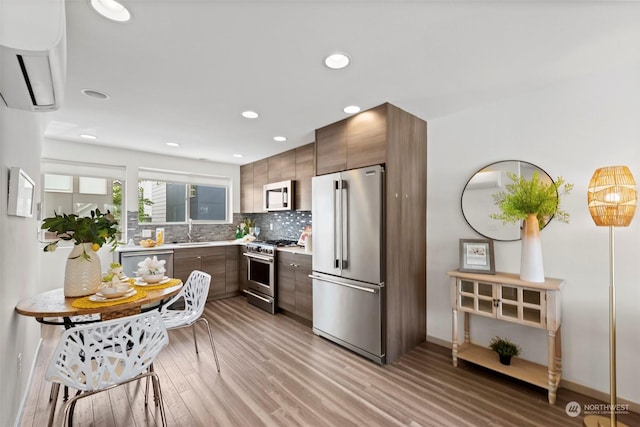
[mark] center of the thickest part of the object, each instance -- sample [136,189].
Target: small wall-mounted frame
[21,192]
[476,256]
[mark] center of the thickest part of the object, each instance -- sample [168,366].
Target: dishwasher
[130,260]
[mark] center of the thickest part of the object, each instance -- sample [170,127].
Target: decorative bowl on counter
[148,243]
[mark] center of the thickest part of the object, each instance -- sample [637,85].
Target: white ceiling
[183,70]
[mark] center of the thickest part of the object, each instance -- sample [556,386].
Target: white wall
[20,143]
[569,130]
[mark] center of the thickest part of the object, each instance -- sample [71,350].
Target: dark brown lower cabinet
[243,269]
[221,262]
[294,284]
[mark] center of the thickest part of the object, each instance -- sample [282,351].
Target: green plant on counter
[504,347]
[524,197]
[243,229]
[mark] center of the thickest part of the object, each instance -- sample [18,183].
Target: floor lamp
[612,202]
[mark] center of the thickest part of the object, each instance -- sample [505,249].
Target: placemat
[170,283]
[84,302]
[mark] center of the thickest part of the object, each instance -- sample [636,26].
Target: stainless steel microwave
[278,196]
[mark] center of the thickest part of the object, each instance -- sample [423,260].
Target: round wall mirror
[477,198]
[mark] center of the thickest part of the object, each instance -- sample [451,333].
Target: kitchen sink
[194,244]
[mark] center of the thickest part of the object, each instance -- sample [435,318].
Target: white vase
[531,269]
[82,276]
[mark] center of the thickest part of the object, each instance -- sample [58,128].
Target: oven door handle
[256,296]
[262,258]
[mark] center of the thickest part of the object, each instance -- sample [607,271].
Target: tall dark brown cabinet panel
[246,188]
[331,148]
[406,232]
[305,170]
[260,178]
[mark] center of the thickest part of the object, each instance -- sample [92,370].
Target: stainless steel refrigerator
[348,260]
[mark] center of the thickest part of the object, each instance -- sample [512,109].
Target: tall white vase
[531,269]
[81,275]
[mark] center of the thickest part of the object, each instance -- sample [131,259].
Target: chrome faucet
[190,223]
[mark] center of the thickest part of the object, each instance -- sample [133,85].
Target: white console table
[504,296]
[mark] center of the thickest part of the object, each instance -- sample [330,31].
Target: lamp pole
[612,329]
[612,200]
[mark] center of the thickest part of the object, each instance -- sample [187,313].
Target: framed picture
[476,256]
[21,192]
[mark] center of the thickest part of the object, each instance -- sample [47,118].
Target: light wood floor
[275,372]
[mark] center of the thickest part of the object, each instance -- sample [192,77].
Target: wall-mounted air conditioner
[32,80]
[33,61]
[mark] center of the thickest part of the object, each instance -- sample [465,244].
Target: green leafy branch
[98,229]
[524,197]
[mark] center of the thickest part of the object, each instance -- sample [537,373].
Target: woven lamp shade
[612,196]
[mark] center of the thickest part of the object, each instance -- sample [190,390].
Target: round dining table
[50,305]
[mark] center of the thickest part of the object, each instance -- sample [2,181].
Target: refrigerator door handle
[335,282]
[344,241]
[337,220]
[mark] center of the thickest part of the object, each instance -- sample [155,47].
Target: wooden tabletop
[54,304]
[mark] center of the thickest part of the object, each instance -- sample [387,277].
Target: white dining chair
[194,295]
[100,356]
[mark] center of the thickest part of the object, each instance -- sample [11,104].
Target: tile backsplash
[281,225]
[273,225]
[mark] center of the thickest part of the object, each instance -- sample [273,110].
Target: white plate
[141,282]
[98,297]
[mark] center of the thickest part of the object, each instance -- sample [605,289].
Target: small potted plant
[505,349]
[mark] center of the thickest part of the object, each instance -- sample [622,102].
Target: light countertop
[294,250]
[174,246]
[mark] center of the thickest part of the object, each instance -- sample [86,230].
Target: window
[80,201]
[78,188]
[172,200]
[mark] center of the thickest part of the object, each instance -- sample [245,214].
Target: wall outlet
[271,226]
[146,233]
[19,362]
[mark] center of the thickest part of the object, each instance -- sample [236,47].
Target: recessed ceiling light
[111,9]
[95,94]
[250,114]
[279,138]
[173,144]
[88,136]
[238,155]
[351,109]
[337,61]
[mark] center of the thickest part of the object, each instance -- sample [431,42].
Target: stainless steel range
[261,272]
